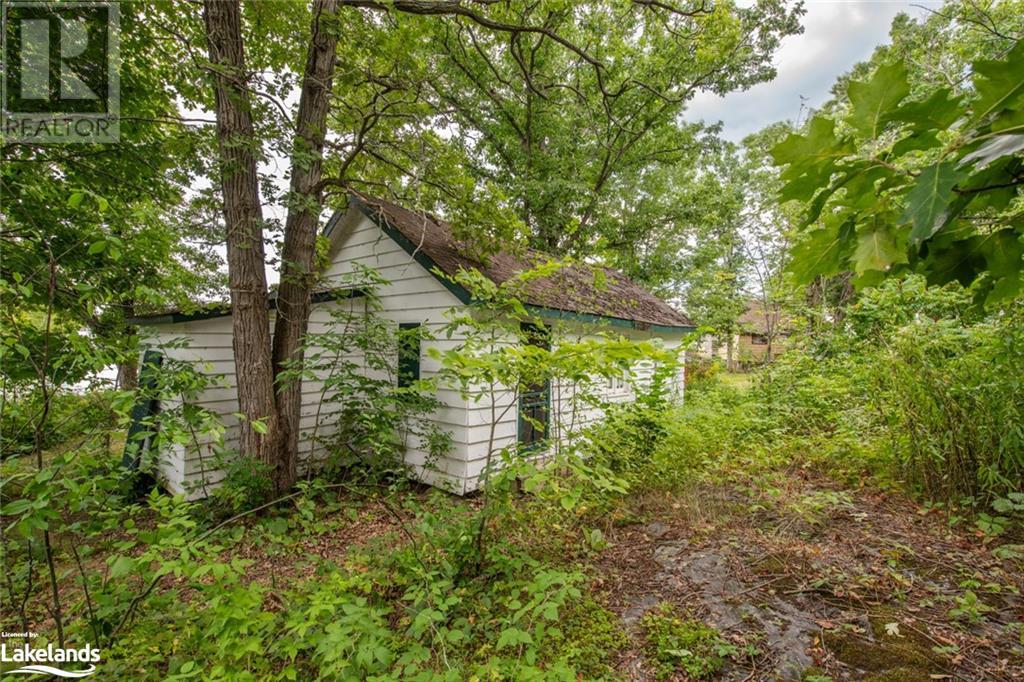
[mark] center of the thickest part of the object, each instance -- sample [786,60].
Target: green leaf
[873,100]
[258,426]
[822,252]
[877,250]
[999,83]
[820,136]
[928,202]
[939,111]
[915,142]
[97,247]
[1004,257]
[121,566]
[957,261]
[16,507]
[812,158]
[1002,505]
[75,199]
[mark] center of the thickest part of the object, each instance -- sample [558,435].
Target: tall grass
[938,384]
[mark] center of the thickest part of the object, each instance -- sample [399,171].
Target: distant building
[761,337]
[763,333]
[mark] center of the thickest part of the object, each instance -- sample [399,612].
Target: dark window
[759,339]
[408,353]
[535,399]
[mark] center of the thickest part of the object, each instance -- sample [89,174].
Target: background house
[413,251]
[761,336]
[763,331]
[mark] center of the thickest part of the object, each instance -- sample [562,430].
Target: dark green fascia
[464,296]
[604,319]
[417,254]
[225,311]
[332,222]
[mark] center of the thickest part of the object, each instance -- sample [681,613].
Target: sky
[837,34]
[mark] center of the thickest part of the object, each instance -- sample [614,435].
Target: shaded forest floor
[800,577]
[814,579]
[816,582]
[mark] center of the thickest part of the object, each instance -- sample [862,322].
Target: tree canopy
[907,173]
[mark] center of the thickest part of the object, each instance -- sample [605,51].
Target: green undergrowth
[381,580]
[677,643]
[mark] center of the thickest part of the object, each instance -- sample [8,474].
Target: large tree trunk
[298,261]
[243,218]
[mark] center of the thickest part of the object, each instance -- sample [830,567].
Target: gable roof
[576,291]
[755,320]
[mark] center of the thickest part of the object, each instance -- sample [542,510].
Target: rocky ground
[818,582]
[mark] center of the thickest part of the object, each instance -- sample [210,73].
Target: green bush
[951,399]
[920,382]
[71,414]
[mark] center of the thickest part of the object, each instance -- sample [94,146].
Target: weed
[969,608]
[675,643]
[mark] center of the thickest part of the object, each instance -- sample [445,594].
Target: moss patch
[591,639]
[884,656]
[900,675]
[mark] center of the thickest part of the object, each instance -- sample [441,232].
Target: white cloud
[837,34]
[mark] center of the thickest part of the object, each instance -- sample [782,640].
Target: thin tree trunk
[128,374]
[298,261]
[243,218]
[44,391]
[128,369]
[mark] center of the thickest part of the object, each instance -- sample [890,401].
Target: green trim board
[555,313]
[225,310]
[417,254]
[139,438]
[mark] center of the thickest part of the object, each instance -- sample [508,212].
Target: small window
[534,400]
[759,339]
[408,353]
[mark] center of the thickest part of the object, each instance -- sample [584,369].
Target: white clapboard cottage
[409,249]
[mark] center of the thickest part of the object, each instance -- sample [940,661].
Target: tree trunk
[128,369]
[298,256]
[243,219]
[128,374]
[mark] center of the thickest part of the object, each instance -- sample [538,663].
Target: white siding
[568,415]
[412,295]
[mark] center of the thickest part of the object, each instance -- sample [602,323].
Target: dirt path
[821,582]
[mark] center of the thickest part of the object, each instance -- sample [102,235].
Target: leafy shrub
[627,437]
[918,373]
[246,484]
[702,370]
[953,406]
[71,414]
